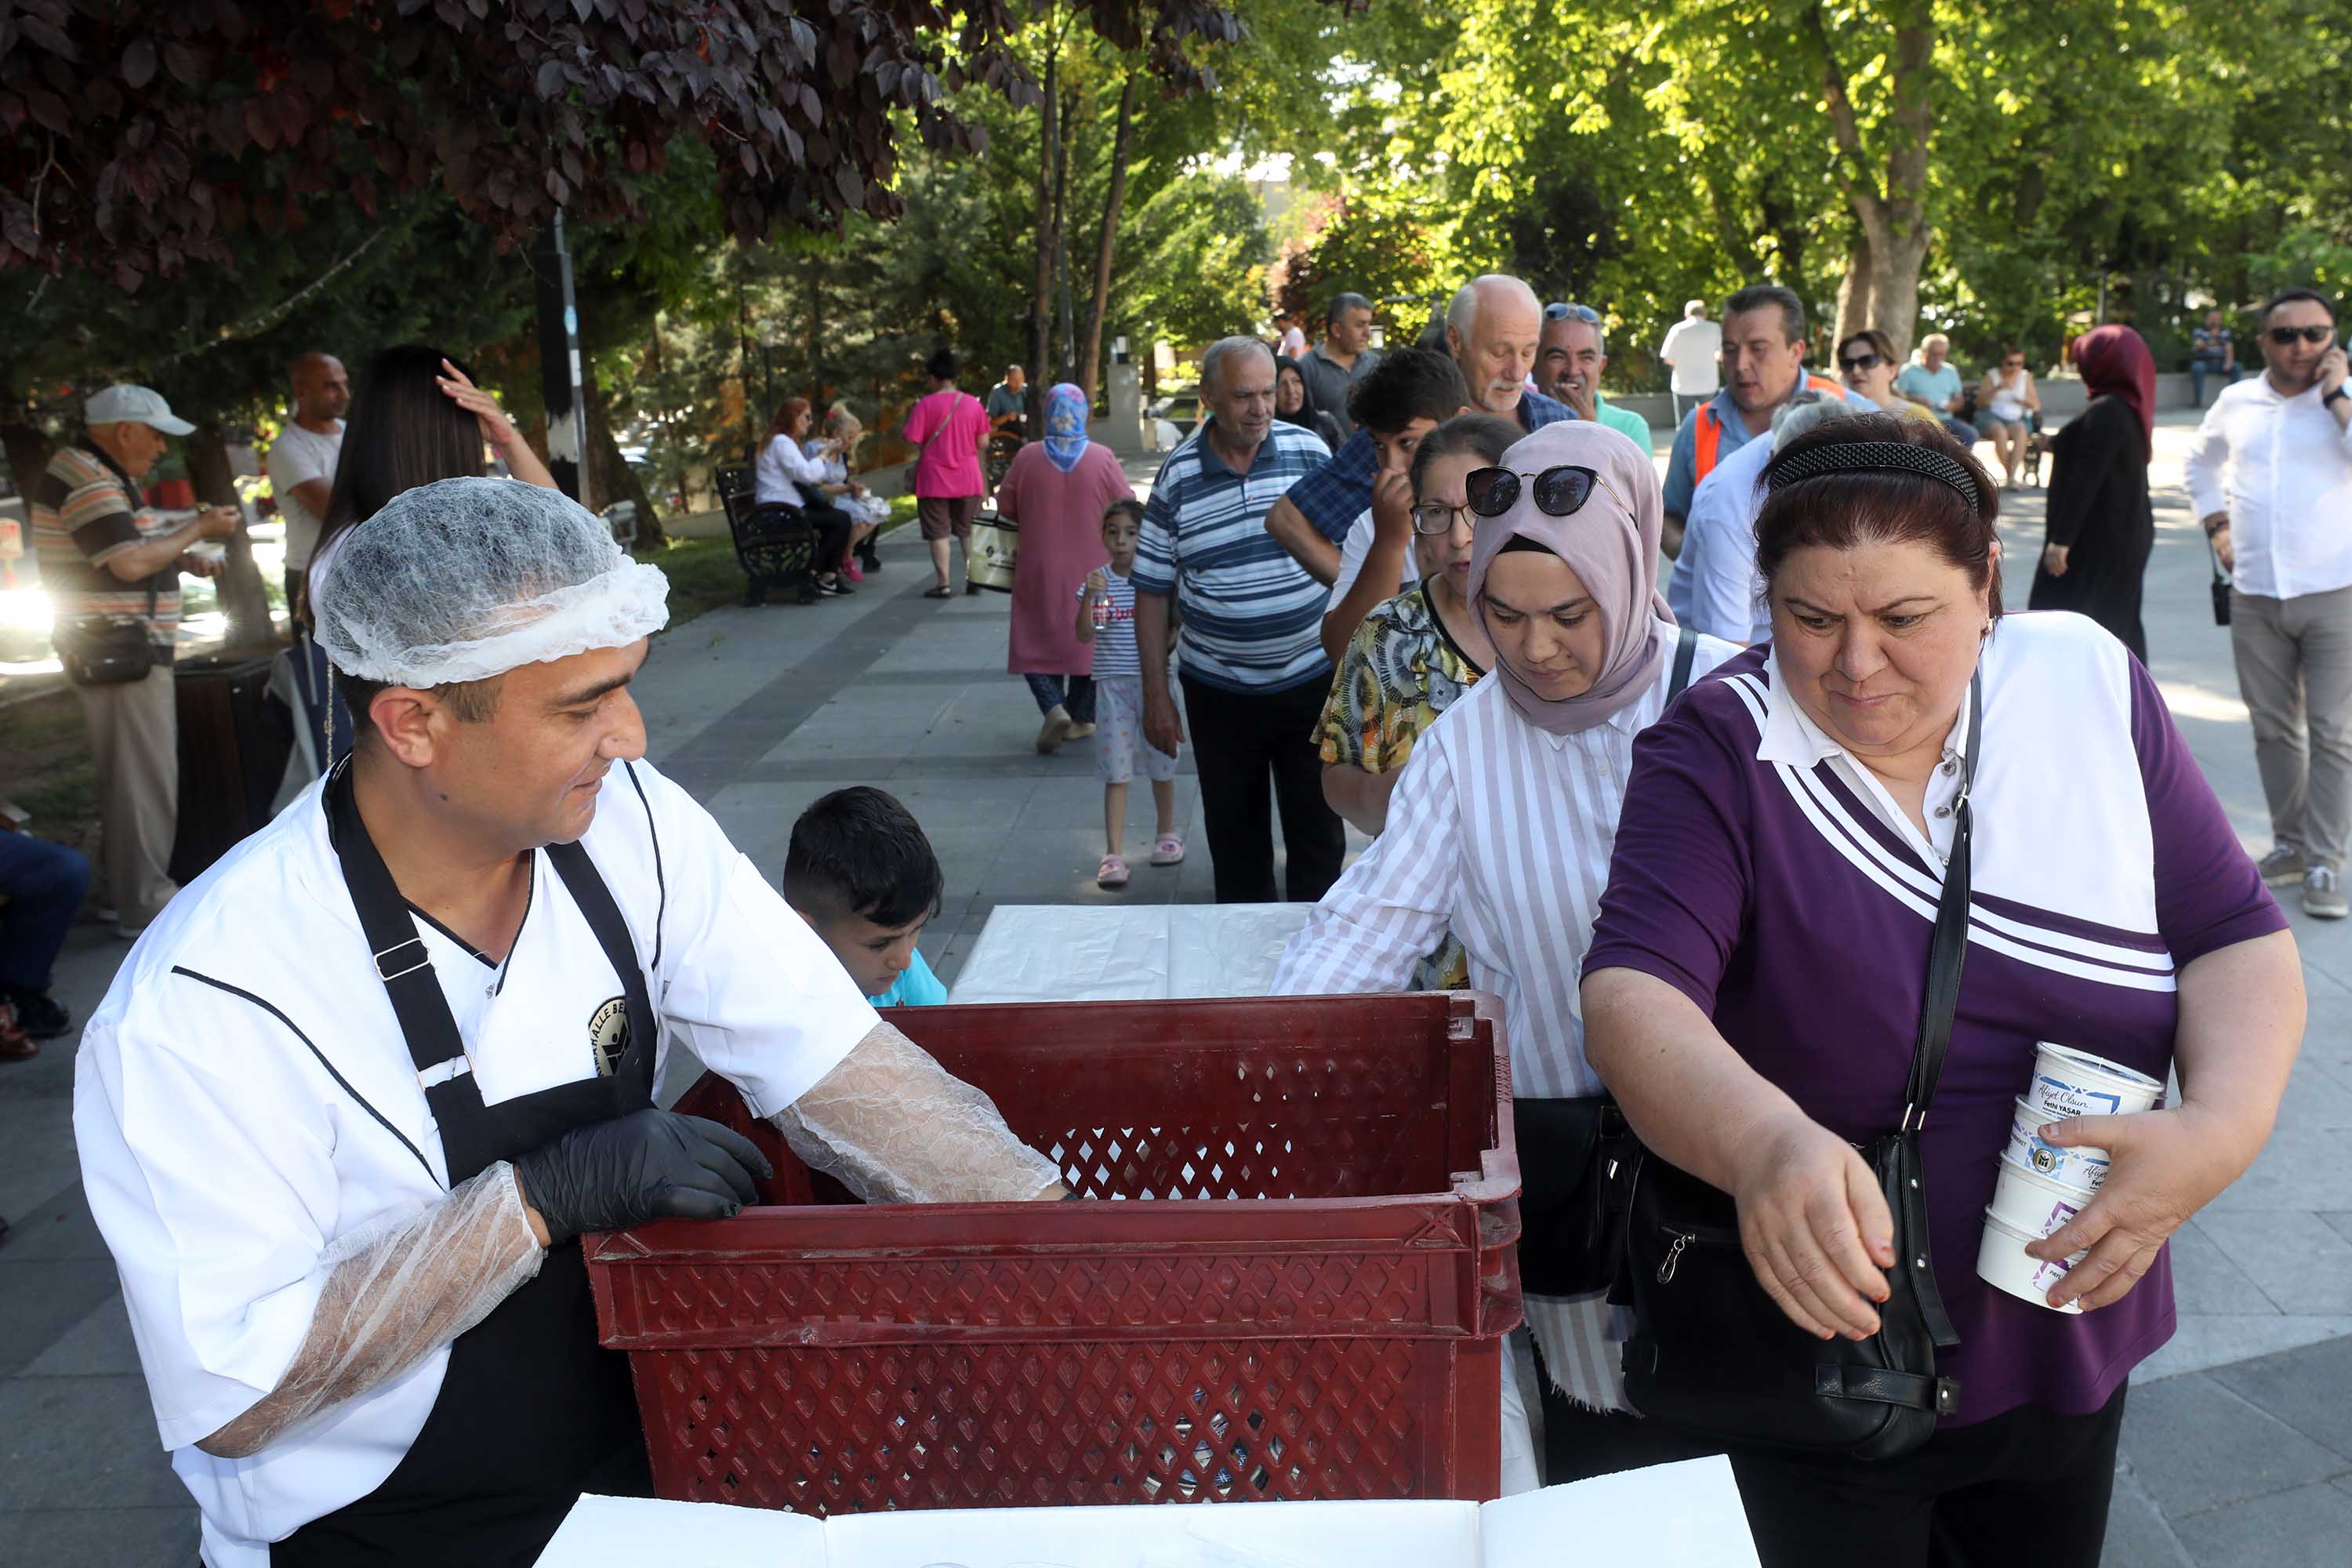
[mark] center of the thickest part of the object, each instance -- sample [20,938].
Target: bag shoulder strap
[1685,654]
[1948,947]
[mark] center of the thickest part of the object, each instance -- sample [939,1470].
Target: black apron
[533,1411]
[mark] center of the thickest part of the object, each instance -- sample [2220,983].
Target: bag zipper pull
[1674,1256]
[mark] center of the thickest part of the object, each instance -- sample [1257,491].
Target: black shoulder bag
[1568,1148]
[108,650]
[1710,1350]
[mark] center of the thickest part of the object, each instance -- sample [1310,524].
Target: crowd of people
[1679,768]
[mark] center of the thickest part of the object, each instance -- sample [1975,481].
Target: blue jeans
[2199,369]
[43,884]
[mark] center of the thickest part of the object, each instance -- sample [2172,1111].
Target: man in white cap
[112,569]
[352,1100]
[1691,352]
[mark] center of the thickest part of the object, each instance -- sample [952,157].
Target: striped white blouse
[1502,833]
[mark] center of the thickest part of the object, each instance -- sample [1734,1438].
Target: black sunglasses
[1585,313]
[1560,491]
[2285,336]
[1861,362]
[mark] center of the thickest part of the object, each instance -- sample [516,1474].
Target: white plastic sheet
[1670,1516]
[1077,952]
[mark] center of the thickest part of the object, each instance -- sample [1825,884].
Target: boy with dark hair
[861,873]
[1325,520]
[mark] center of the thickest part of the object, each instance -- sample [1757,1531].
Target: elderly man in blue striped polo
[1254,673]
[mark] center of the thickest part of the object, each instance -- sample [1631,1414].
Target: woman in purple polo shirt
[1756,974]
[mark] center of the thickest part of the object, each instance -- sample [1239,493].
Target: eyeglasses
[1436,517]
[1861,362]
[2285,336]
[1560,491]
[1584,313]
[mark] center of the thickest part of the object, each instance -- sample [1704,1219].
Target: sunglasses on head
[1861,362]
[2285,336]
[1585,313]
[1559,491]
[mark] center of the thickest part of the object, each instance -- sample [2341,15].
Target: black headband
[1875,457]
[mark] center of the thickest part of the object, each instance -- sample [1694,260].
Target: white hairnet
[465,579]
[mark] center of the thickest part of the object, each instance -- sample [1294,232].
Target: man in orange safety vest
[1763,365]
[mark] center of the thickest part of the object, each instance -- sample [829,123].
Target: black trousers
[1240,739]
[2026,1485]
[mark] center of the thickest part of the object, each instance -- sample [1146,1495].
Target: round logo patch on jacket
[608,1035]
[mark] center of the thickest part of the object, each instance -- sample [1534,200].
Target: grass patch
[49,772]
[704,573]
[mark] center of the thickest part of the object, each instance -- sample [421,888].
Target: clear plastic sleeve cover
[895,1127]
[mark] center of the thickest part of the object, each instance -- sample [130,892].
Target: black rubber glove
[646,1165]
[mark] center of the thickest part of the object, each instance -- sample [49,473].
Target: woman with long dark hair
[791,489]
[416,417]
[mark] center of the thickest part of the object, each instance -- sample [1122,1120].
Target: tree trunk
[1898,302]
[1062,156]
[1041,303]
[815,275]
[610,473]
[1857,290]
[244,599]
[1893,213]
[1090,356]
[26,452]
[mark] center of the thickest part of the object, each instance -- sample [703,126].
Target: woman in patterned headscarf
[1056,490]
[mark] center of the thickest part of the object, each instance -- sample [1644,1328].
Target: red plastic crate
[1313,1304]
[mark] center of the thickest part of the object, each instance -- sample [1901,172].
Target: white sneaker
[2322,895]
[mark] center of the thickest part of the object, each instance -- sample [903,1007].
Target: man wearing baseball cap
[112,572]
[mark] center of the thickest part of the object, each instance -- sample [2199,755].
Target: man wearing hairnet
[352,1098]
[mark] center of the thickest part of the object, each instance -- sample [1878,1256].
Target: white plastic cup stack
[2043,1185]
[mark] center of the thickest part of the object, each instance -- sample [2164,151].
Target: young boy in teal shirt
[861,873]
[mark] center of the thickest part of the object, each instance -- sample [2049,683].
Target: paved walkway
[2238,1445]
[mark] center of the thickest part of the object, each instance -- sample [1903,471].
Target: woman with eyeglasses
[1412,656]
[1867,363]
[2009,403]
[1500,827]
[2101,527]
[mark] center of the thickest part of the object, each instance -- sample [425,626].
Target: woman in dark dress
[1294,403]
[2100,528]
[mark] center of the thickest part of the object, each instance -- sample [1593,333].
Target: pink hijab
[1614,553]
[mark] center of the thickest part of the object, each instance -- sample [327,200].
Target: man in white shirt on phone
[2271,477]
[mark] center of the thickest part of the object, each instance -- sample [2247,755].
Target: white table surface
[1126,952]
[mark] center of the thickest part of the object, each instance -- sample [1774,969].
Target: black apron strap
[635,1074]
[1685,654]
[405,968]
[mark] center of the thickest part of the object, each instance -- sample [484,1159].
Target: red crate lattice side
[1064,1296]
[852,1430]
[1356,1157]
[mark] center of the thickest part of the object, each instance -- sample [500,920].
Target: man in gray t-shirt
[302,458]
[1008,402]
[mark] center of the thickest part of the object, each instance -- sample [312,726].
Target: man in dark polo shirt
[102,554]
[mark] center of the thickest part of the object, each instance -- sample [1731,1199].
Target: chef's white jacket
[244,1097]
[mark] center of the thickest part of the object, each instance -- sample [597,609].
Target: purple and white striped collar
[1790,736]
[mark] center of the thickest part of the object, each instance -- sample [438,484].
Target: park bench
[774,546]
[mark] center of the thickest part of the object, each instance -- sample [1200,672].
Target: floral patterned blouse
[1400,672]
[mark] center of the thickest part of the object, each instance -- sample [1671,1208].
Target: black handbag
[1711,1352]
[2221,585]
[108,650]
[1568,1149]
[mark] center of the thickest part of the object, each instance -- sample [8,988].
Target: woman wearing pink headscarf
[1501,825]
[2101,527]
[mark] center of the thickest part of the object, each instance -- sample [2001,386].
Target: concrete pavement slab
[83,1443]
[2196,1445]
[2307,1527]
[2303,1388]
